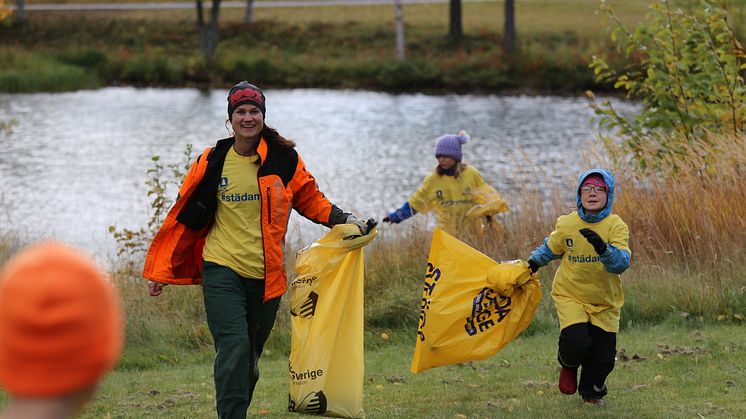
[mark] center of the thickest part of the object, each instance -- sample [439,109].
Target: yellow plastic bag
[471,306]
[488,202]
[326,363]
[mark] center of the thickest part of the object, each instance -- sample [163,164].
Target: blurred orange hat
[61,322]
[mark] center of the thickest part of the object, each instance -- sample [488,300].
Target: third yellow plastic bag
[326,363]
[471,306]
[487,202]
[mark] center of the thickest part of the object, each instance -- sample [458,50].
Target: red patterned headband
[247,95]
[594,181]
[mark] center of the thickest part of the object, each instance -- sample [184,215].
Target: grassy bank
[333,47]
[336,47]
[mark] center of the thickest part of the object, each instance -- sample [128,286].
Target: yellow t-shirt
[450,198]
[235,239]
[583,290]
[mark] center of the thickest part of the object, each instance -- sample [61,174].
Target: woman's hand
[155,288]
[364,226]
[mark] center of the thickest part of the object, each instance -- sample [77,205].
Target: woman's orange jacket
[175,256]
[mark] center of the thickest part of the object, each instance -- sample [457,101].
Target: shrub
[83,57]
[258,69]
[687,69]
[407,75]
[161,181]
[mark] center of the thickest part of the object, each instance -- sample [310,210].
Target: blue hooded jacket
[614,260]
[609,180]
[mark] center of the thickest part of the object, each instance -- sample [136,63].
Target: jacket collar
[262,149]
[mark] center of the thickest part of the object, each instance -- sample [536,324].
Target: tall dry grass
[692,210]
[687,225]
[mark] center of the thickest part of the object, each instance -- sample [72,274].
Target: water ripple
[76,162]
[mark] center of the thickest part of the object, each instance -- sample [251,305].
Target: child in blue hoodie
[593,244]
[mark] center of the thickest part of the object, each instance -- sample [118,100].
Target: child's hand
[391,218]
[395,217]
[594,239]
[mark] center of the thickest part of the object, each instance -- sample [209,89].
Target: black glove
[594,239]
[401,214]
[364,226]
[370,223]
[533,266]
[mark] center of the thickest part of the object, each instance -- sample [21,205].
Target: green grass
[531,16]
[683,315]
[682,372]
[332,47]
[48,74]
[336,47]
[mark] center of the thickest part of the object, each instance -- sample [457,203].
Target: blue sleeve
[402,213]
[543,254]
[615,261]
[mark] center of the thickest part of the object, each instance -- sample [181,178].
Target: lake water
[75,163]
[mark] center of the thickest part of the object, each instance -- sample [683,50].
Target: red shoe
[568,381]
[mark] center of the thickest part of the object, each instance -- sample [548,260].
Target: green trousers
[240,324]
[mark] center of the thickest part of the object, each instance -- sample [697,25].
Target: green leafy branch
[161,179]
[687,68]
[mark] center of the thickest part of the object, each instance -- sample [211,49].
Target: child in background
[587,290]
[61,330]
[456,192]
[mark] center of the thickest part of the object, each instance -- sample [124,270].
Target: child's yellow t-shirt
[450,198]
[235,239]
[583,290]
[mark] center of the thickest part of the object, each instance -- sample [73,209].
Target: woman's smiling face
[247,122]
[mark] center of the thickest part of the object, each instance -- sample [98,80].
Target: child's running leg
[574,343]
[598,364]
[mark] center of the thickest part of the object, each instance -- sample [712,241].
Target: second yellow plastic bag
[326,363]
[487,202]
[471,306]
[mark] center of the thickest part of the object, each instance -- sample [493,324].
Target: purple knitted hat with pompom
[450,145]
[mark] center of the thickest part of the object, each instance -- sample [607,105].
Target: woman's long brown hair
[272,136]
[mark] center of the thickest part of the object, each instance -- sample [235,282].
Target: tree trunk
[200,19]
[509,27]
[19,15]
[400,51]
[208,32]
[248,18]
[456,31]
